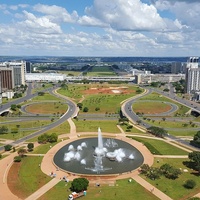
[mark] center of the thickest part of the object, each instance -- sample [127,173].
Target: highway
[72,109]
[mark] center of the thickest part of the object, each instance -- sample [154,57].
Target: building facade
[192,75]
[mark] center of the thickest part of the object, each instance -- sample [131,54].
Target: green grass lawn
[184,132]
[120,191]
[92,126]
[150,107]
[157,97]
[46,97]
[41,86]
[43,148]
[47,108]
[132,130]
[171,124]
[101,71]
[30,178]
[159,147]
[174,188]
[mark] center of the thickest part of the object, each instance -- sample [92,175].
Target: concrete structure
[176,68]
[192,75]
[7,80]
[47,77]
[17,78]
[137,72]
[166,78]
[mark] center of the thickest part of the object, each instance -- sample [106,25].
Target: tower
[192,75]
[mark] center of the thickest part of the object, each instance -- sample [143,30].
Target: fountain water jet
[98,156]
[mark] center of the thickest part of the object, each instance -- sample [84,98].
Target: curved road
[72,108]
[128,112]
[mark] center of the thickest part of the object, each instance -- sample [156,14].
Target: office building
[192,75]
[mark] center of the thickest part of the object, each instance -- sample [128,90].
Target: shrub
[8,147]
[17,159]
[190,184]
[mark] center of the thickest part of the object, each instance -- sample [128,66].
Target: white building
[46,77]
[192,75]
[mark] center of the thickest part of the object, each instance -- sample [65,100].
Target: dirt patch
[109,90]
[13,181]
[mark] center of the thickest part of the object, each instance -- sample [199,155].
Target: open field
[41,86]
[70,73]
[92,126]
[101,71]
[47,108]
[157,97]
[23,182]
[122,189]
[174,188]
[150,107]
[43,148]
[159,147]
[102,95]
[46,97]
[133,130]
[172,124]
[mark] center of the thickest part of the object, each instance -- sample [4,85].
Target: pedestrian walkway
[43,189]
[151,188]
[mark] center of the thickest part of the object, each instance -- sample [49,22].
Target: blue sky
[100,27]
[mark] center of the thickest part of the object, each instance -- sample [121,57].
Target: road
[72,108]
[128,112]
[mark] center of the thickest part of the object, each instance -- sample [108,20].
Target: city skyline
[100,28]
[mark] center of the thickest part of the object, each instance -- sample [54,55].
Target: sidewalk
[151,188]
[43,189]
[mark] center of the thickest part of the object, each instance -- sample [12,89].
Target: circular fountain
[100,156]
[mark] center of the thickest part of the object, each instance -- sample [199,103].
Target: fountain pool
[98,156]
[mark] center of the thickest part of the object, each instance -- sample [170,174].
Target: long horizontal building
[47,77]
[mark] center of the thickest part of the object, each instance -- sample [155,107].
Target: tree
[41,93]
[21,152]
[17,159]
[30,146]
[80,105]
[85,109]
[169,171]
[13,107]
[196,140]
[157,131]
[8,147]
[43,138]
[3,130]
[79,184]
[190,184]
[195,157]
[53,138]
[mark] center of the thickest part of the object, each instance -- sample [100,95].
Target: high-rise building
[176,68]
[192,75]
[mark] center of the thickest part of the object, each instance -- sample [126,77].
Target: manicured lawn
[47,108]
[26,177]
[41,86]
[174,188]
[61,129]
[92,126]
[150,107]
[171,124]
[159,147]
[101,71]
[120,191]
[43,148]
[46,97]
[184,132]
[157,97]
[132,130]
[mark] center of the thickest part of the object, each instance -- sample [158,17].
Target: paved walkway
[151,188]
[43,189]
